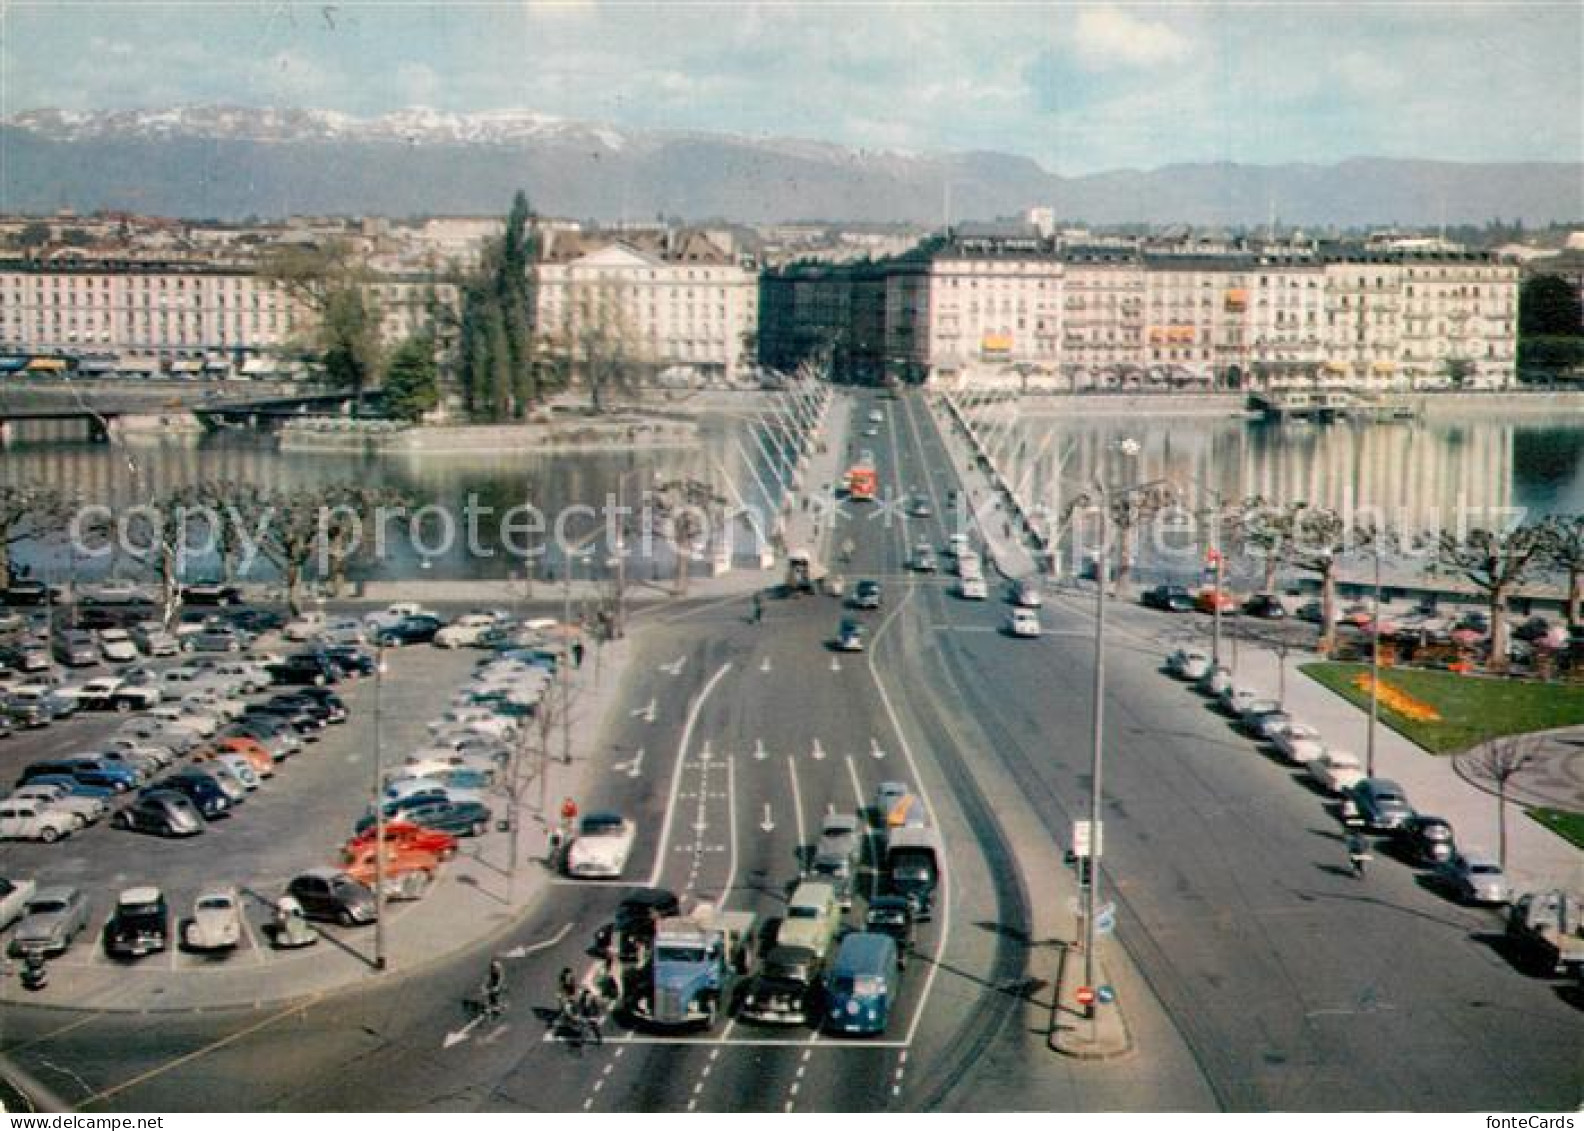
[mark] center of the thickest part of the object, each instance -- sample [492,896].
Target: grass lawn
[1472,708]
[1568,826]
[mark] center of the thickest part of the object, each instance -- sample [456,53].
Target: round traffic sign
[1086,995]
[1105,995]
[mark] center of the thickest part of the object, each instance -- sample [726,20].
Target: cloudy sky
[1079,87]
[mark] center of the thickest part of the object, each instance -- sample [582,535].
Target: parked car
[28,592]
[466,630]
[1236,699]
[463,818]
[115,644]
[1026,594]
[251,750]
[1473,877]
[349,660]
[408,871]
[1169,598]
[140,925]
[1313,612]
[14,896]
[1262,719]
[1265,606]
[167,811]
[1382,804]
[334,706]
[88,771]
[1297,742]
[304,627]
[87,810]
[153,639]
[332,895]
[26,656]
[216,922]
[924,559]
[255,622]
[112,591]
[32,819]
[211,593]
[1428,840]
[418,629]
[204,794]
[1208,600]
[216,638]
[107,693]
[1336,770]
[601,845]
[311,668]
[405,833]
[53,919]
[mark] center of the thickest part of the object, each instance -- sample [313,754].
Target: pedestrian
[577,653]
[758,608]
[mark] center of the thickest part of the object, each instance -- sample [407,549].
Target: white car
[241,768]
[1236,699]
[212,701]
[973,589]
[87,809]
[1188,663]
[1299,743]
[601,846]
[308,626]
[185,716]
[465,631]
[245,675]
[112,591]
[216,922]
[115,644]
[433,763]
[1023,623]
[1336,770]
[14,896]
[30,819]
[479,720]
[344,630]
[160,756]
[392,614]
[969,564]
[957,545]
[154,640]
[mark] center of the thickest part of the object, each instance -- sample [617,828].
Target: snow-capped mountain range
[229,161]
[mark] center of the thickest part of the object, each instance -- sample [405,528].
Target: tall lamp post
[1375,635]
[379,809]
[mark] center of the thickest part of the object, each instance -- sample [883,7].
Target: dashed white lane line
[797,800]
[676,773]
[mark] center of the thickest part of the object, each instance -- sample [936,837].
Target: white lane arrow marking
[458,1036]
[760,753]
[818,753]
[764,664]
[543,944]
[675,666]
[768,824]
[632,767]
[835,664]
[646,713]
[874,748]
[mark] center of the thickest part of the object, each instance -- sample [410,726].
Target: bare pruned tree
[1564,551]
[1495,563]
[30,512]
[1498,762]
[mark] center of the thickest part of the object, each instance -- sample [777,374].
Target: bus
[863,483]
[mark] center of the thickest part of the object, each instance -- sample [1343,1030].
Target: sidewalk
[812,514]
[477,896]
[1536,856]
[993,508]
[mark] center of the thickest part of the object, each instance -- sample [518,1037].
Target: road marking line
[676,774]
[760,753]
[797,800]
[764,665]
[196,1054]
[818,752]
[731,818]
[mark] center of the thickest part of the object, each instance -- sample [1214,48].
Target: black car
[163,812]
[74,648]
[210,593]
[27,657]
[349,659]
[783,989]
[866,595]
[323,711]
[140,925]
[892,915]
[333,704]
[26,591]
[1428,840]
[255,621]
[303,721]
[304,668]
[1265,606]
[1169,598]
[633,928]
[1535,628]
[417,629]
[334,896]
[200,789]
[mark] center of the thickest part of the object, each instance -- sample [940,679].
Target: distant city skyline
[1079,88]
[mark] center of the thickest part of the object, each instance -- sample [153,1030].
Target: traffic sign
[1085,995]
[1105,922]
[1085,844]
[1105,995]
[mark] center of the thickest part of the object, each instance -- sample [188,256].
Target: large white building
[665,298]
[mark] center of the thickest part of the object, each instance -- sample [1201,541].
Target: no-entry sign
[1086,995]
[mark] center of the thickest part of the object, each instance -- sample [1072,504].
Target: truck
[912,866]
[1549,927]
[863,483]
[812,918]
[804,574]
[695,966]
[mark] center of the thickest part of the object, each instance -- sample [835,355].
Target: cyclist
[495,989]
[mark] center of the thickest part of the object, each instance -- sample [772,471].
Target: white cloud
[1107,37]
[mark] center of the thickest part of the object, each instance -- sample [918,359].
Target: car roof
[145,894]
[56,891]
[322,873]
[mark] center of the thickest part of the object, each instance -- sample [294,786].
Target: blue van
[861,983]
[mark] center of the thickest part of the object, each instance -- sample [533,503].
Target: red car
[1207,599]
[404,834]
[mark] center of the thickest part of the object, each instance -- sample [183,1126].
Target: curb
[1112,1038]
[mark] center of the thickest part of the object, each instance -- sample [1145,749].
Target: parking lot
[295,820]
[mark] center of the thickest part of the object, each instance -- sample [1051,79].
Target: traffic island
[1073,1033]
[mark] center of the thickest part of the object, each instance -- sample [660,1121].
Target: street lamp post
[379,810]
[1375,635]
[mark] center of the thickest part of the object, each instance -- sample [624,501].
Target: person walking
[758,608]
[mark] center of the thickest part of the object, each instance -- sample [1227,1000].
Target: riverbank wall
[488,439]
[1537,403]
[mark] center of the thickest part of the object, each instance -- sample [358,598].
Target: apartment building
[665,297]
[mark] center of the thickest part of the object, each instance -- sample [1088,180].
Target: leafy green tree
[496,332]
[34,234]
[412,381]
[1548,306]
[333,282]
